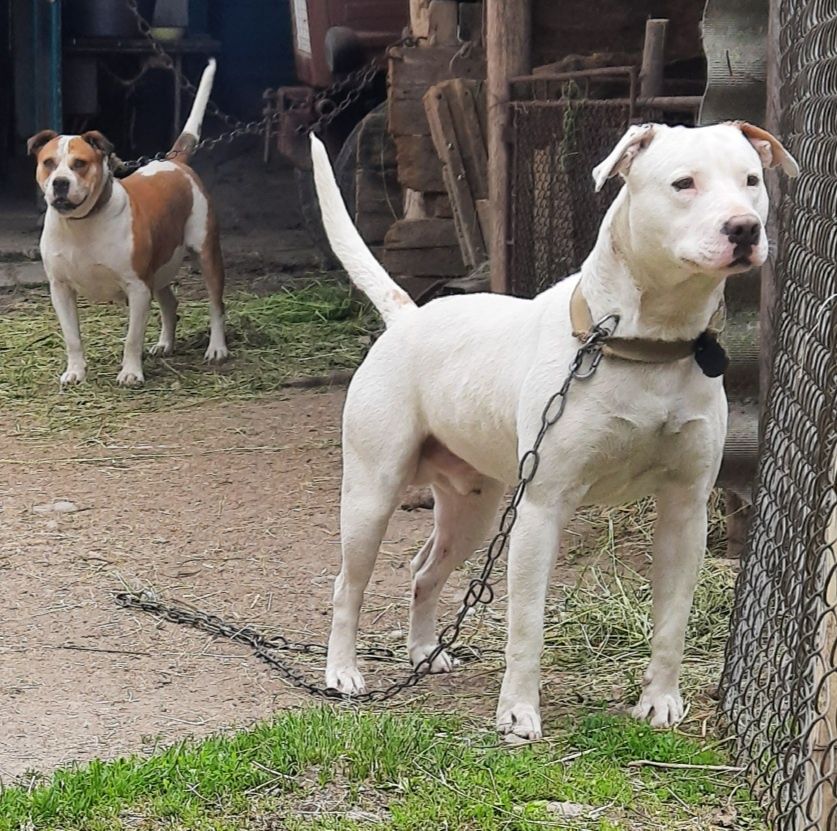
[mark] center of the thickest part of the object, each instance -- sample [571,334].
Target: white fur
[474,372]
[195,120]
[348,246]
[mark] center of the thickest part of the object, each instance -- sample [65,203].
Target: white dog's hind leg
[679,545]
[64,302]
[369,497]
[532,551]
[168,321]
[462,523]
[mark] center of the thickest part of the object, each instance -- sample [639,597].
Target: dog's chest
[95,261]
[633,449]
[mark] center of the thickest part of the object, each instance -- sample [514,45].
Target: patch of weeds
[329,769]
[310,330]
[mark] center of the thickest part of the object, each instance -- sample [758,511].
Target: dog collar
[706,350]
[104,196]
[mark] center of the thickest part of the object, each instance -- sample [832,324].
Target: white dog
[124,240]
[452,394]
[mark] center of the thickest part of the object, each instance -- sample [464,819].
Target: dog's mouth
[64,205]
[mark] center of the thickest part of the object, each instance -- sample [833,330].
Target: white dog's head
[697,195]
[72,171]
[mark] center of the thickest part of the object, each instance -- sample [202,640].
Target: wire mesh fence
[555,213]
[779,690]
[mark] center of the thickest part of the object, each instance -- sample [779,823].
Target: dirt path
[232,507]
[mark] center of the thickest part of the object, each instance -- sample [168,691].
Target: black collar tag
[711,357]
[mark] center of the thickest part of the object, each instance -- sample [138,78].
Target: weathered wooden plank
[455,176]
[421,233]
[407,118]
[373,227]
[419,167]
[425,262]
[508,43]
[484,215]
[463,107]
[438,204]
[419,18]
[444,23]
[412,70]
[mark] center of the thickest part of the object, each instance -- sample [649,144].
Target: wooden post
[824,738]
[508,46]
[420,18]
[653,58]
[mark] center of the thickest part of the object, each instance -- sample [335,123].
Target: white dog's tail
[364,270]
[191,135]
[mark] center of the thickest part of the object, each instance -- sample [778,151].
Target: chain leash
[480,590]
[351,86]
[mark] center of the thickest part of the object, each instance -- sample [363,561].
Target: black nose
[60,187]
[743,230]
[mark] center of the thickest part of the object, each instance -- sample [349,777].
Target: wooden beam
[454,173]
[508,48]
[420,18]
[444,23]
[653,58]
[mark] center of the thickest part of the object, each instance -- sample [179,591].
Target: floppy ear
[34,145]
[770,149]
[95,139]
[619,161]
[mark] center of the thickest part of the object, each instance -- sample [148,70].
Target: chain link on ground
[352,86]
[480,590]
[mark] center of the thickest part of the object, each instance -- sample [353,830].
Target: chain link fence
[779,689]
[555,213]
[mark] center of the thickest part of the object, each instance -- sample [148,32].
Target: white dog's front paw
[346,680]
[664,708]
[216,354]
[519,719]
[441,663]
[130,378]
[76,375]
[164,348]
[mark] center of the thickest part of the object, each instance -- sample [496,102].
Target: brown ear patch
[39,140]
[96,140]
[771,151]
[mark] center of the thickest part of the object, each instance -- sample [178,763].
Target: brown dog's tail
[189,138]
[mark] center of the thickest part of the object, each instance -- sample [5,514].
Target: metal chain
[480,590]
[353,84]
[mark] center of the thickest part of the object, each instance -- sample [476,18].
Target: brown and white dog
[124,240]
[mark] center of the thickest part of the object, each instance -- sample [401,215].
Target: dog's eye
[752,180]
[49,164]
[78,164]
[686,183]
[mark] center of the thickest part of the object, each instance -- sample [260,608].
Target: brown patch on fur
[80,150]
[401,297]
[183,147]
[39,141]
[161,205]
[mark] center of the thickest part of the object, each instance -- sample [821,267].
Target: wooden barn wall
[579,27]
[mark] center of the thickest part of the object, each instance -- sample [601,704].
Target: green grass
[311,330]
[325,768]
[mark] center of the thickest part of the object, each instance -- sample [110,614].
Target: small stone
[569,810]
[59,506]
